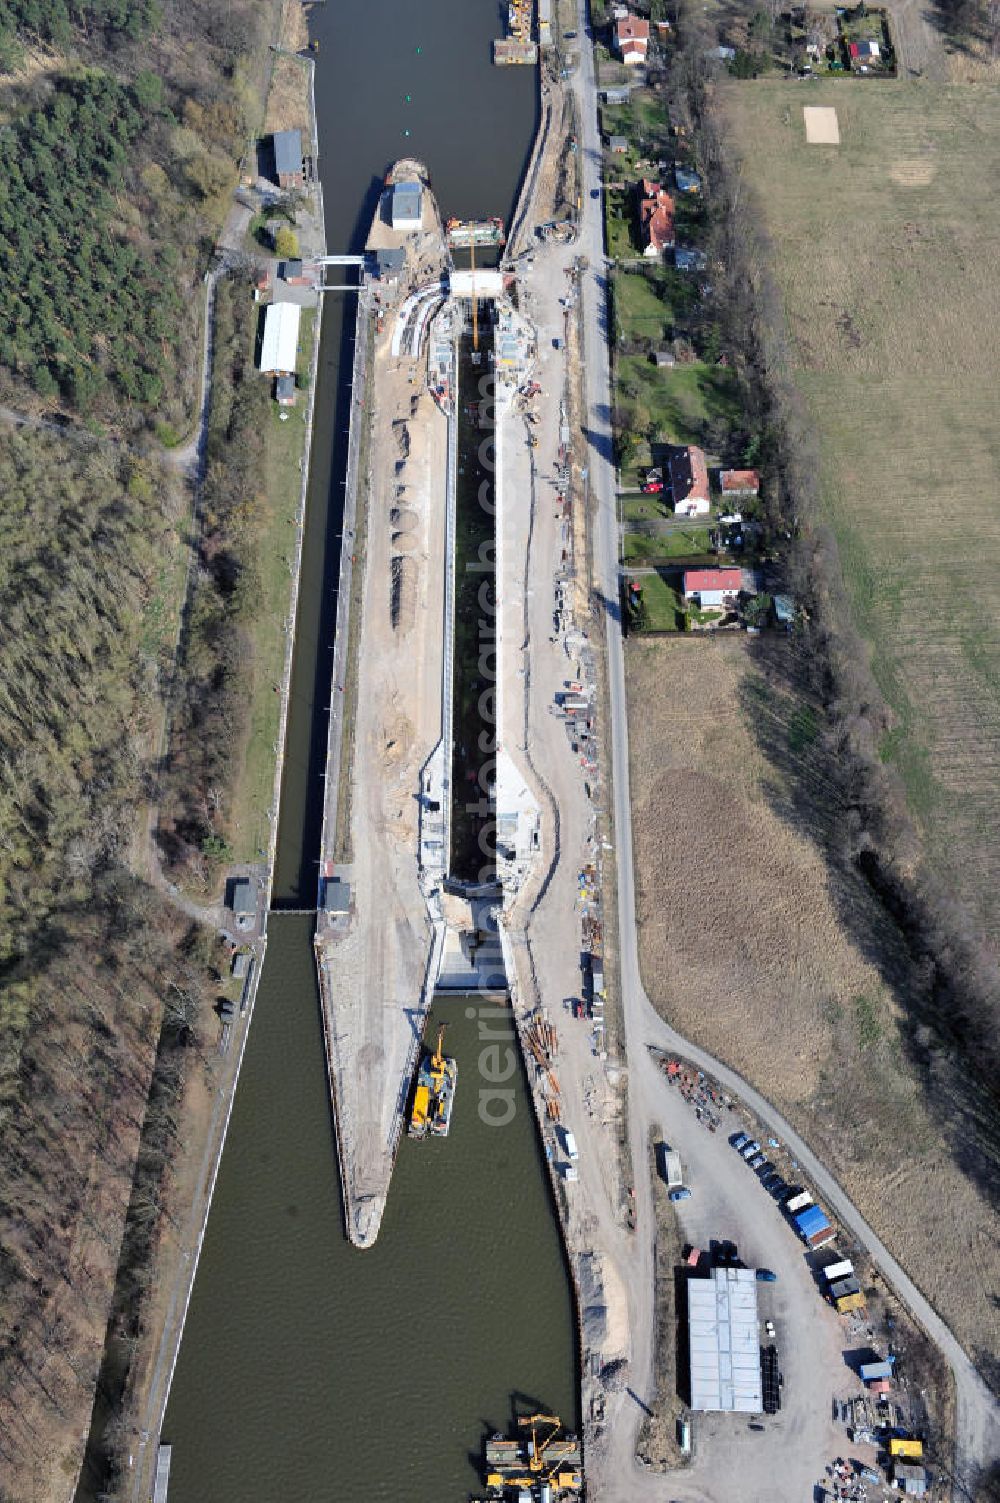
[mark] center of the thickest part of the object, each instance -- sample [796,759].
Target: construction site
[468,820]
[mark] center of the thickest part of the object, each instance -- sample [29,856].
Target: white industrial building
[407,206]
[280,344]
[724,1345]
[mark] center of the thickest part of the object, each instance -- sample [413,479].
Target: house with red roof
[632,39]
[712,589]
[656,218]
[739,482]
[688,471]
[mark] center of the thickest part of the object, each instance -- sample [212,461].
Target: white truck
[569,1143]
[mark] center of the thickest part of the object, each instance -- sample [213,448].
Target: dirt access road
[978,1421]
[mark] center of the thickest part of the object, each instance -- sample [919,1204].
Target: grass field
[886,251]
[680,542]
[664,607]
[754,946]
[285,440]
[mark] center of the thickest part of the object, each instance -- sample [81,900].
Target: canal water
[310,1370]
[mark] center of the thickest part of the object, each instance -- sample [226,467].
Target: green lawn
[686,403]
[663,606]
[285,442]
[619,223]
[651,300]
[645,508]
[680,542]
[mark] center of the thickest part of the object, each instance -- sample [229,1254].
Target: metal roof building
[724,1351]
[243,897]
[281,338]
[288,153]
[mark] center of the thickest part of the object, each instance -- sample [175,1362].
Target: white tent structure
[281,339]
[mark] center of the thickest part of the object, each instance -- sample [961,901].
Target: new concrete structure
[724,1352]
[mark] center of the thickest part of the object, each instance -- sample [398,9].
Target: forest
[121,133]
[55,22]
[87,952]
[86,305]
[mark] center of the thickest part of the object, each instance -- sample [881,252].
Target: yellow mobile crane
[536,1452]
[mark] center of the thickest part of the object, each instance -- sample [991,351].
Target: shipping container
[850,1302]
[906,1445]
[673,1173]
[835,1271]
[798,1202]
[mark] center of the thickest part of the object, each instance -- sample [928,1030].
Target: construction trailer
[813,1227]
[906,1448]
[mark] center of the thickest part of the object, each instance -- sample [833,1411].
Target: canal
[309,1369]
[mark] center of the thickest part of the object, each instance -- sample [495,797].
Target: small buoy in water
[406,133]
[408,98]
[419,50]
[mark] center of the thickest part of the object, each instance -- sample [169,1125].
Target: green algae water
[310,1370]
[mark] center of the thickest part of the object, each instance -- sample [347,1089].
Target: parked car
[749,1151]
[759,1162]
[682,1194]
[740,1141]
[651,487]
[778,1188]
[765,1276]
[595,192]
[769,1329]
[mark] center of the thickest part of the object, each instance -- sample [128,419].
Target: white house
[688,470]
[632,40]
[713,589]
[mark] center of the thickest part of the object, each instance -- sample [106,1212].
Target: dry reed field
[756,947]
[886,249]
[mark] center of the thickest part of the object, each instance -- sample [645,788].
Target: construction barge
[434,1093]
[462,233]
[546,1466]
[518,46]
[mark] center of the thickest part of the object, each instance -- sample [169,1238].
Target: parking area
[780,1456]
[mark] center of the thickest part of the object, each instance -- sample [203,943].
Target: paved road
[978,1423]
